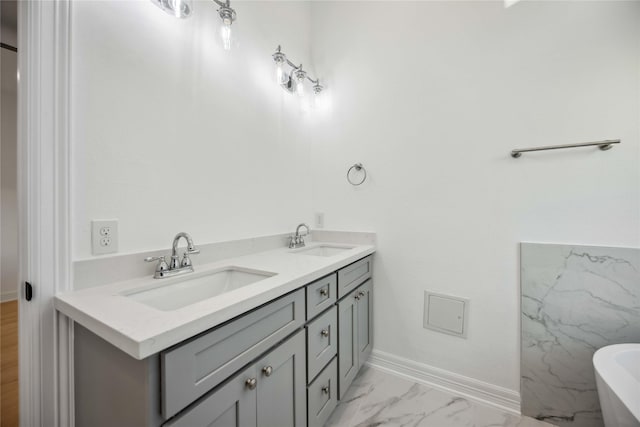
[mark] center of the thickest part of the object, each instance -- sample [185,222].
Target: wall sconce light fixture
[177,8]
[228,16]
[294,80]
[183,8]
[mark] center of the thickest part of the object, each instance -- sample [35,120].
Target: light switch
[445,313]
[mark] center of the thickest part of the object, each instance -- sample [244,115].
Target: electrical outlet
[104,236]
[319,219]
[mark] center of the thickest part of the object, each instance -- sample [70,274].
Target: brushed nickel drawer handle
[325,389]
[324,292]
[324,333]
[267,370]
[361,293]
[251,383]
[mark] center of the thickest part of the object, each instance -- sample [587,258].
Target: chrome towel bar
[603,145]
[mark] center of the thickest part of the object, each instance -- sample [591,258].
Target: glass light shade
[300,87]
[279,73]
[300,77]
[228,16]
[225,34]
[319,99]
[280,59]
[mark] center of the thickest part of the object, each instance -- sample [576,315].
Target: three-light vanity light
[183,8]
[294,81]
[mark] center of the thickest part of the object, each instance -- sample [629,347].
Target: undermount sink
[322,250]
[182,291]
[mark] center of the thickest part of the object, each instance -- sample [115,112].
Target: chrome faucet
[175,266]
[297,241]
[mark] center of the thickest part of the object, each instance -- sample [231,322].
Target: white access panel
[446,314]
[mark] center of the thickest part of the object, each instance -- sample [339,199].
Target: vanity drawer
[322,396]
[353,275]
[321,294]
[322,341]
[191,369]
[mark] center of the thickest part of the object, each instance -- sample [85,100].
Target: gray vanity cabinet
[269,393]
[283,364]
[355,334]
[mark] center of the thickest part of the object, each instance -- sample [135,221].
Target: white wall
[431,97]
[8,178]
[171,133]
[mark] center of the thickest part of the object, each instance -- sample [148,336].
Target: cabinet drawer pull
[251,383]
[356,296]
[361,293]
[324,292]
[325,389]
[324,332]
[267,370]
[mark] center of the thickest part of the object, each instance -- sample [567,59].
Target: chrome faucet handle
[292,243]
[162,264]
[186,261]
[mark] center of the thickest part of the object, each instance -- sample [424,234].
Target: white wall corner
[479,391]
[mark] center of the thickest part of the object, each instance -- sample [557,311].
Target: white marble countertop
[141,331]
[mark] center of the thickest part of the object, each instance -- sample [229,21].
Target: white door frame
[45,336]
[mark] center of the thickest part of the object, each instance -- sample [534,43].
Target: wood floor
[9,364]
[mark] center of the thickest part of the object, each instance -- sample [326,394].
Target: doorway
[9,265]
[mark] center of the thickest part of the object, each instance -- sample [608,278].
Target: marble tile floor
[377,398]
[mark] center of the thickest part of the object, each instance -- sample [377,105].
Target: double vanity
[271,339]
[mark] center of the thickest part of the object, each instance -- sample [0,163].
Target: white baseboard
[479,391]
[8,296]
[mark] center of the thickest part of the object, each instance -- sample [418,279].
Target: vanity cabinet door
[355,334]
[231,405]
[365,324]
[282,381]
[347,342]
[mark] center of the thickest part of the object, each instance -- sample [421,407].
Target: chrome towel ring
[358,167]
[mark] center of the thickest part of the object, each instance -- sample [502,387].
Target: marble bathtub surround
[102,270]
[377,398]
[575,300]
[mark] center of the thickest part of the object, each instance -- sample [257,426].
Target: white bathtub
[617,370]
